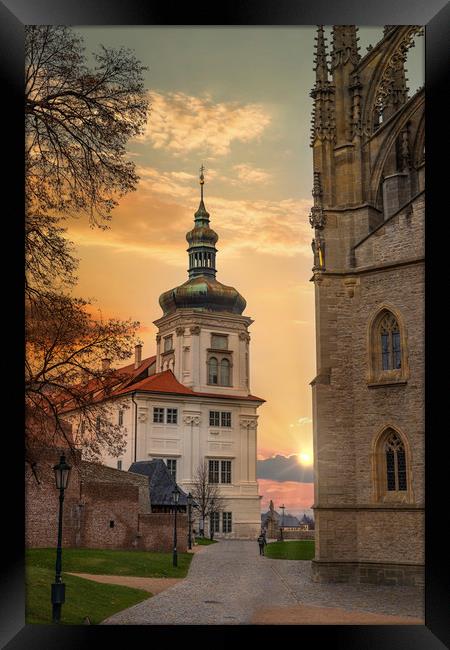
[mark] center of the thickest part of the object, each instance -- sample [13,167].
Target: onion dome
[202,291]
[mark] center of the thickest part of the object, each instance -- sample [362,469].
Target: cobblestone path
[229,581]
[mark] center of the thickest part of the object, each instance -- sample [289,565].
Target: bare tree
[206,495]
[78,121]
[67,379]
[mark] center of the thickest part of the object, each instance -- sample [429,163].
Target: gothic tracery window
[392,468]
[391,357]
[395,463]
[387,349]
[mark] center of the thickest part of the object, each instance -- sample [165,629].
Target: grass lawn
[205,541]
[291,550]
[107,562]
[83,598]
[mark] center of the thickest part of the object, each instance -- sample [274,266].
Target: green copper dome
[202,291]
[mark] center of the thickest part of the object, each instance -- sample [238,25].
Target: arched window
[392,467]
[213,373]
[388,362]
[389,332]
[395,463]
[224,372]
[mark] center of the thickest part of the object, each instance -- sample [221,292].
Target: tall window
[119,464]
[120,418]
[213,474]
[172,467]
[213,371]
[224,372]
[214,522]
[388,358]
[222,476]
[168,344]
[225,473]
[393,478]
[226,522]
[391,358]
[158,415]
[395,463]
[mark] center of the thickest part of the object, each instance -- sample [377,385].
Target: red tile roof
[166,382]
[122,382]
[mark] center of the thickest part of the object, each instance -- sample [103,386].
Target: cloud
[284,468]
[297,497]
[182,123]
[248,174]
[154,220]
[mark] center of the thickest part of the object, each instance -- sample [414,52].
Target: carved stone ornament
[179,331]
[248,423]
[191,419]
[195,330]
[350,284]
[244,336]
[142,415]
[158,338]
[317,218]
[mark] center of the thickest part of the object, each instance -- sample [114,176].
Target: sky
[235,99]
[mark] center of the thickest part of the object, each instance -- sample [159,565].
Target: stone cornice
[212,319]
[370,269]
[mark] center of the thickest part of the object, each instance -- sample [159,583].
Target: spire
[202,240]
[321,68]
[322,93]
[345,45]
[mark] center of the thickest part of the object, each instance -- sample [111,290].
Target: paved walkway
[229,583]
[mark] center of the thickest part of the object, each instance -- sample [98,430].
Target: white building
[191,402]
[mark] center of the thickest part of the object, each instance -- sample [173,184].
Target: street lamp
[189,502]
[62,470]
[282,523]
[175,497]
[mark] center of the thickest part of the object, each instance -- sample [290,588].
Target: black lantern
[58,593]
[176,498]
[189,502]
[62,470]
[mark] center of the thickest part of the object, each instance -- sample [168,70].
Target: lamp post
[282,523]
[175,497]
[189,502]
[61,470]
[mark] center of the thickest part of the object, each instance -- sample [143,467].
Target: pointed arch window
[395,463]
[388,359]
[213,371]
[392,468]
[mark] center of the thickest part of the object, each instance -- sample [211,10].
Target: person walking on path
[261,542]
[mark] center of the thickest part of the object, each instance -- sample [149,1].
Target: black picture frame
[14,14]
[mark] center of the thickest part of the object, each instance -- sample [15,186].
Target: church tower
[203,336]
[368,272]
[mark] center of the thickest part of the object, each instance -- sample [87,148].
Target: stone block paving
[229,581]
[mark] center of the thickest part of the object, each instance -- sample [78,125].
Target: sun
[305,458]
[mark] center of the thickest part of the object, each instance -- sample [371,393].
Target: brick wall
[103,508]
[42,504]
[156,532]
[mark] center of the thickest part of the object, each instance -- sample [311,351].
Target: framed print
[231,266]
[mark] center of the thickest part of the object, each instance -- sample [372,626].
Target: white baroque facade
[191,403]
